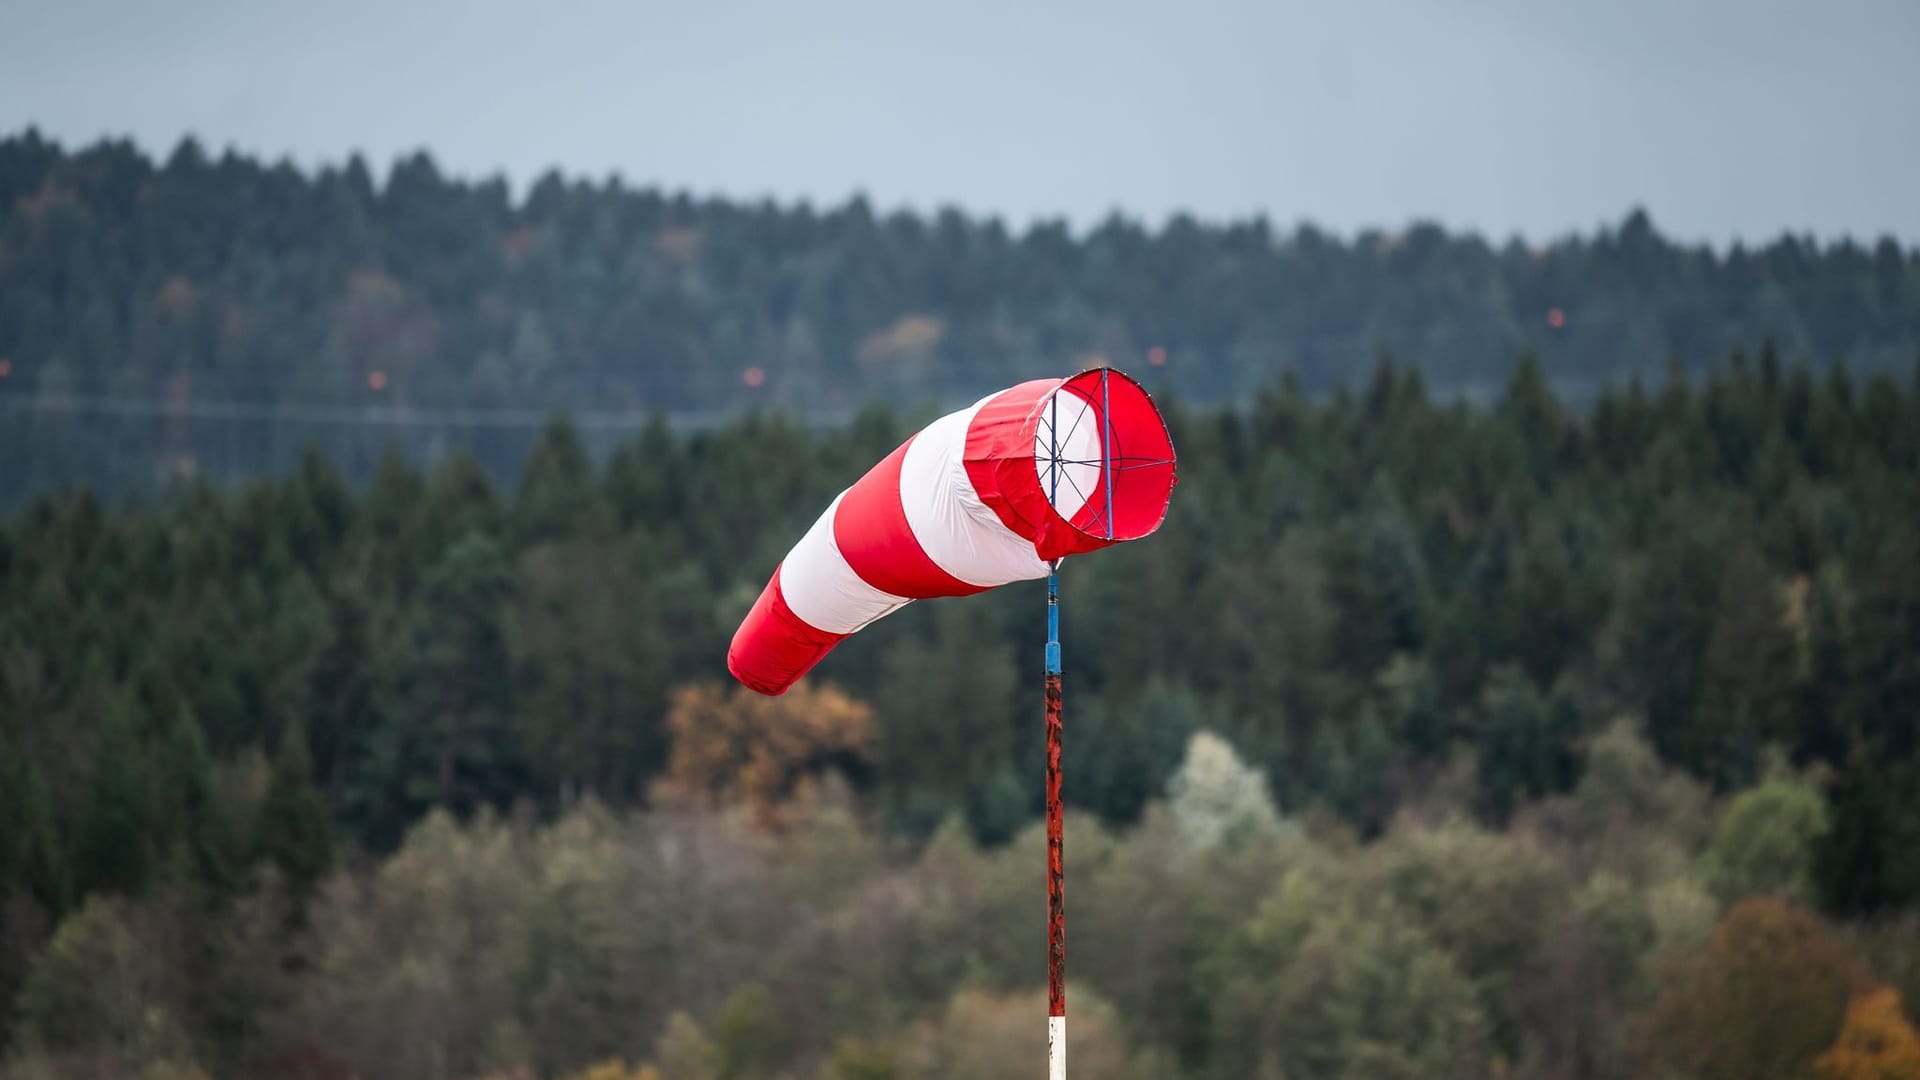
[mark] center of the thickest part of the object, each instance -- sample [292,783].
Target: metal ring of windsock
[979,498]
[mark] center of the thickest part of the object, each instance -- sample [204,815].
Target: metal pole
[1056,875]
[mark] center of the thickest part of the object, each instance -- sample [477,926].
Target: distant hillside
[216,314]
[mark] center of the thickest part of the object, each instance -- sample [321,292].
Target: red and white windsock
[978,498]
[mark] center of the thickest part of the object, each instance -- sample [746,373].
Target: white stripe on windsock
[823,590]
[961,534]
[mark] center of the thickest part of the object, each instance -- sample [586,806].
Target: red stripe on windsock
[870,528]
[774,647]
[999,459]
[999,446]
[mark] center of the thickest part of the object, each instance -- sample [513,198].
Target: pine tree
[291,828]
[114,850]
[1525,742]
[344,705]
[449,741]
[558,498]
[195,819]
[590,679]
[32,857]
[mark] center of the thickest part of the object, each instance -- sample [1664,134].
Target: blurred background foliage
[1471,716]
[209,314]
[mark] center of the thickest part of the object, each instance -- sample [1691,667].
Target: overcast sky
[1724,118]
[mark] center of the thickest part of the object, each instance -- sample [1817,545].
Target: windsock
[979,498]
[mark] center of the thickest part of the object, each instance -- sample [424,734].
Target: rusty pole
[1056,871]
[1056,875]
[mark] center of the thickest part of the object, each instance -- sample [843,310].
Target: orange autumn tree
[733,747]
[1760,1000]
[1877,1043]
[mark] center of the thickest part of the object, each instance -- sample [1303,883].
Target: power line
[395,416]
[1408,341]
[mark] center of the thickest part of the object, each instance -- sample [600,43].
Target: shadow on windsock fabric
[978,498]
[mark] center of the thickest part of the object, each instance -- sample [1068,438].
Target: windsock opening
[1104,457]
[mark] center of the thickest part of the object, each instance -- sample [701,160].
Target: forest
[1429,737]
[216,314]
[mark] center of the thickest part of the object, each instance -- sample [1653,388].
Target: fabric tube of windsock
[979,498]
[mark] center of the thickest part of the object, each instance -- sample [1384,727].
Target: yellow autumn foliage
[1876,1043]
[738,748]
[615,1069]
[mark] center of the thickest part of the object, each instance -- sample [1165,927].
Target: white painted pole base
[1056,1048]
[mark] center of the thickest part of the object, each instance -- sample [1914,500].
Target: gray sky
[1725,118]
